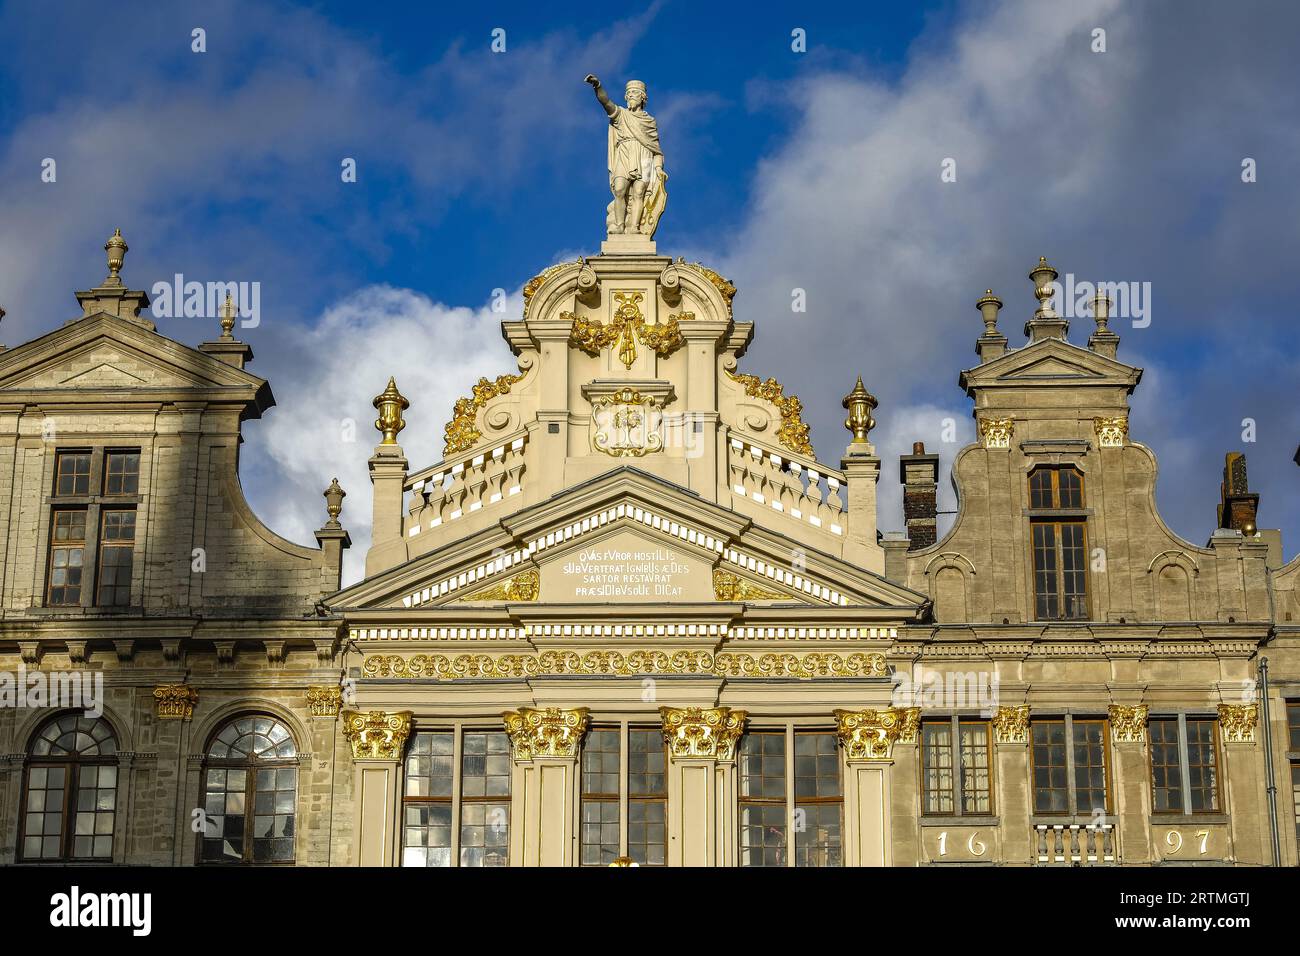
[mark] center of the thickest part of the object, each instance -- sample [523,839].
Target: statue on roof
[636,163]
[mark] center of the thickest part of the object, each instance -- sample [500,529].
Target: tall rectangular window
[457,806]
[116,557]
[647,797]
[601,786]
[1293,744]
[1058,543]
[956,780]
[1184,764]
[1069,766]
[67,556]
[791,798]
[763,810]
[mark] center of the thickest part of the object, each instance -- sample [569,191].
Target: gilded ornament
[377,734]
[175,701]
[626,327]
[996,432]
[1111,432]
[537,281]
[524,586]
[793,432]
[391,404]
[1128,724]
[1237,721]
[626,424]
[461,432]
[702,732]
[724,286]
[551,732]
[1011,724]
[871,734]
[732,587]
[324,701]
[860,404]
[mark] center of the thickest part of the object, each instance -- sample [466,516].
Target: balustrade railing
[799,488]
[464,484]
[1075,844]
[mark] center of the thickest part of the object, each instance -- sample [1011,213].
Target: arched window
[250,791]
[70,791]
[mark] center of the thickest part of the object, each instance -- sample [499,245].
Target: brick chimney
[919,474]
[1238,505]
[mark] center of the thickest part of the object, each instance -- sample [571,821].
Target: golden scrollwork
[377,734]
[732,587]
[1128,724]
[175,701]
[634,663]
[1111,432]
[1237,722]
[996,432]
[1011,724]
[461,432]
[724,286]
[626,326]
[871,734]
[549,732]
[324,701]
[537,281]
[792,432]
[702,731]
[524,586]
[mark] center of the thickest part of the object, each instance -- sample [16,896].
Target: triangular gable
[104,352]
[624,537]
[1049,361]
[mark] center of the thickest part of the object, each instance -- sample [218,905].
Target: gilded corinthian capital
[702,732]
[377,734]
[1238,722]
[1128,724]
[553,732]
[1011,724]
[871,734]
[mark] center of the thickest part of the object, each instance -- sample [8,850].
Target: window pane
[1070,488]
[67,556]
[1090,793]
[762,766]
[646,763]
[599,838]
[484,834]
[426,835]
[1074,571]
[647,831]
[1293,724]
[763,836]
[599,831]
[817,834]
[72,473]
[122,473]
[600,763]
[936,762]
[429,765]
[1166,778]
[975,790]
[1201,766]
[816,765]
[1047,750]
[116,552]
[1046,600]
[1040,488]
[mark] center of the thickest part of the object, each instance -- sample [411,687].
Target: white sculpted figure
[636,164]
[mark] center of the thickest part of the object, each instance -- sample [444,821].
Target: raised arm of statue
[601,96]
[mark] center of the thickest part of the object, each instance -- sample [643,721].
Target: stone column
[544,784]
[378,739]
[388,476]
[1243,774]
[861,470]
[1011,749]
[702,823]
[868,738]
[1128,734]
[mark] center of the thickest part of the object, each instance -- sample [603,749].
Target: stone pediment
[1051,362]
[625,537]
[102,353]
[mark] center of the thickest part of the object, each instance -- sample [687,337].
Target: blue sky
[816,170]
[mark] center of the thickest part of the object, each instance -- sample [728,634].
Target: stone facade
[628,587]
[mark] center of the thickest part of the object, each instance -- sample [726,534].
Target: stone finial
[989,306]
[1101,311]
[860,404]
[1046,323]
[228,317]
[391,404]
[334,496]
[117,249]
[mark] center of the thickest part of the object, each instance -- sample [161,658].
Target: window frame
[1184,766]
[457,800]
[72,765]
[625,796]
[957,790]
[1072,811]
[1057,517]
[251,767]
[791,732]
